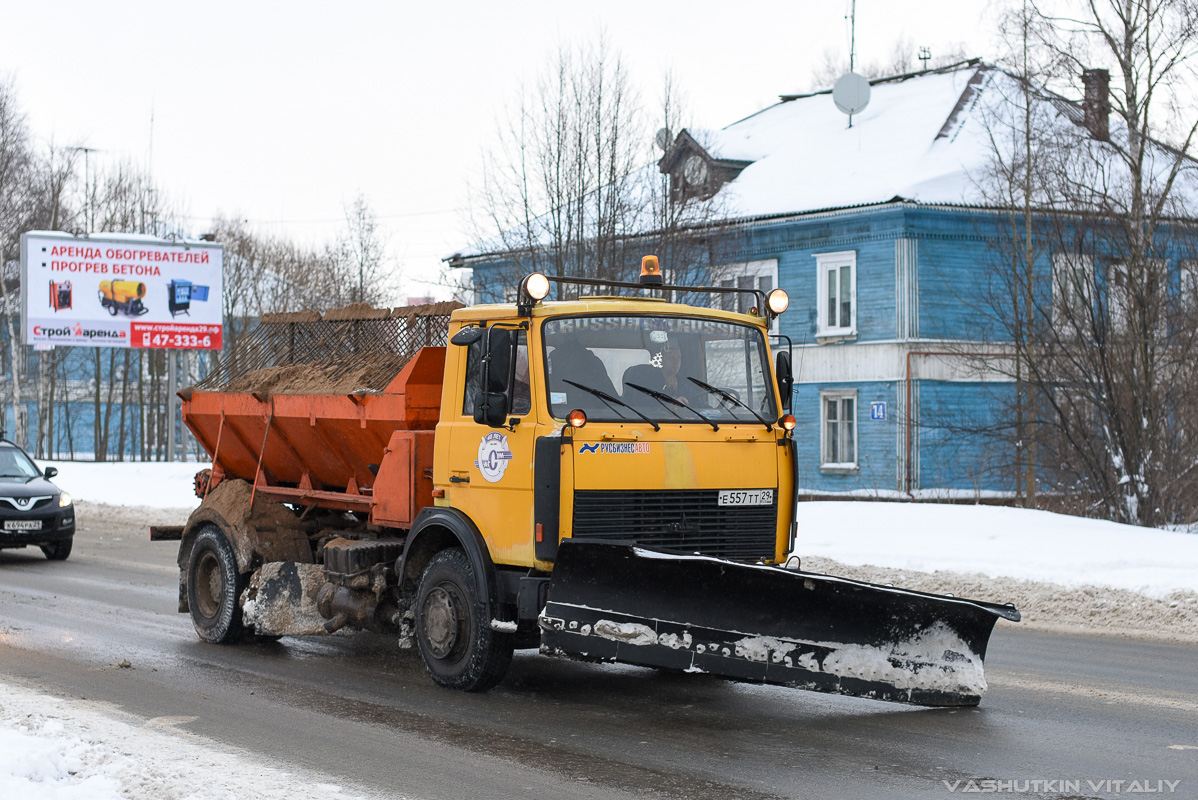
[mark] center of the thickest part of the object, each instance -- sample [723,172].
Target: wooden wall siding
[906,288]
[957,272]
[953,450]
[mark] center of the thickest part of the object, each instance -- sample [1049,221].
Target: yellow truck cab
[622,419]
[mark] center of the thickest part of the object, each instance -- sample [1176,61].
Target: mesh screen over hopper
[344,350]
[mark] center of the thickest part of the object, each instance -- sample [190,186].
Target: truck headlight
[64,500]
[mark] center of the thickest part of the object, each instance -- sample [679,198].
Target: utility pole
[89,210]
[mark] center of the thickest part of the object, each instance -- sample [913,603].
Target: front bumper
[56,525]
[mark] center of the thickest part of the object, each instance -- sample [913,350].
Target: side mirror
[786,379]
[51,472]
[492,404]
[490,408]
[467,336]
[502,348]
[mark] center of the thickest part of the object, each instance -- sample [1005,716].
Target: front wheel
[453,629]
[57,551]
[214,588]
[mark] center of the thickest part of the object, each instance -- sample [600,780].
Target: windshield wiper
[609,399]
[731,398]
[664,398]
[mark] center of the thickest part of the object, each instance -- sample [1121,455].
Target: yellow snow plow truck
[608,478]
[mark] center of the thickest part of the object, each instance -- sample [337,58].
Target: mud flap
[611,602]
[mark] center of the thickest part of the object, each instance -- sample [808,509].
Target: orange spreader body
[360,452]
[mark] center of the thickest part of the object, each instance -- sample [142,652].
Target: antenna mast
[851,92]
[852,44]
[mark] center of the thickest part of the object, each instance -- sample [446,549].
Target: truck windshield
[637,359]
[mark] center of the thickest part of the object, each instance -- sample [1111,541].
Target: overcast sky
[281,112]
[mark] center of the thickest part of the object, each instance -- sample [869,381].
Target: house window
[1132,303]
[836,291]
[838,417]
[1189,283]
[759,275]
[1072,292]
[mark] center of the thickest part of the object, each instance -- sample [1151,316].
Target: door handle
[459,479]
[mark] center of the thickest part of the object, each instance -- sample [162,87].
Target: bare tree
[563,181]
[1099,222]
[571,184]
[360,255]
[902,58]
[16,165]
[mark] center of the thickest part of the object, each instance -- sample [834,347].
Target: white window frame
[1119,300]
[730,274]
[838,395]
[1071,273]
[825,263]
[1188,284]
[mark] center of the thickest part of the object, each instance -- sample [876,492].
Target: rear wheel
[58,551]
[214,588]
[453,631]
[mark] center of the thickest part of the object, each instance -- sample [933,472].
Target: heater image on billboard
[181,294]
[60,295]
[123,296]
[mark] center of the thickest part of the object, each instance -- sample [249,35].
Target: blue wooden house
[883,236]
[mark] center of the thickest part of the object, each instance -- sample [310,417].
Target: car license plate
[22,524]
[746,497]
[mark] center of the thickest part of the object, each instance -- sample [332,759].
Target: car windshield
[15,464]
[669,369]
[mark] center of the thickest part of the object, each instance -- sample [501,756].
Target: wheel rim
[444,615]
[209,584]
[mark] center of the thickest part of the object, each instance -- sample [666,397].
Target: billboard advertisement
[120,290]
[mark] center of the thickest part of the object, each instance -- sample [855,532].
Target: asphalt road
[1060,707]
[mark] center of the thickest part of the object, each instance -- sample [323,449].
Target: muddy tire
[453,628]
[58,551]
[214,588]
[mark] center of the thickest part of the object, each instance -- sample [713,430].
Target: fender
[228,508]
[437,528]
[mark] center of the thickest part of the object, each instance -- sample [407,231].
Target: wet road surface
[1060,707]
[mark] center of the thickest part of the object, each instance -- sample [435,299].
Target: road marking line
[1097,691]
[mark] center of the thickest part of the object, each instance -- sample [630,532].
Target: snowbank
[53,749]
[156,484]
[998,541]
[925,537]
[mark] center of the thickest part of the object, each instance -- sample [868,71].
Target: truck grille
[690,521]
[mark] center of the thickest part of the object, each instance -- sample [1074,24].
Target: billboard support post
[172,405]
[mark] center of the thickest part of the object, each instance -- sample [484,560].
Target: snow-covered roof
[926,137]
[806,157]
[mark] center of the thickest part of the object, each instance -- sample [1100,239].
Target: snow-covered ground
[1000,542]
[129,483]
[54,749]
[926,537]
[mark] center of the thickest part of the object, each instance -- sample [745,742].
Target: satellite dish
[662,138]
[851,93]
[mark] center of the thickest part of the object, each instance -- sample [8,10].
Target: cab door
[491,465]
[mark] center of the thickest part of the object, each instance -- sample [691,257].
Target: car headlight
[64,500]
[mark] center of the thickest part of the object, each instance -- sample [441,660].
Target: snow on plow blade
[611,602]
